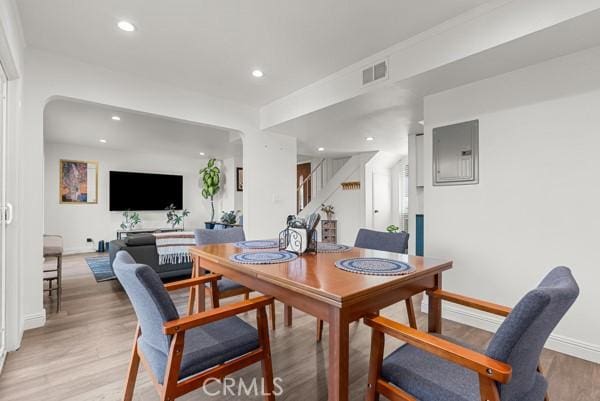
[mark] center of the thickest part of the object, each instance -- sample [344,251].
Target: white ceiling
[84,124]
[213,45]
[391,113]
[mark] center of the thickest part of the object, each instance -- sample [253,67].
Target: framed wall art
[78,182]
[239,179]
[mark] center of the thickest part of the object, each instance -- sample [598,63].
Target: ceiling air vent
[374,73]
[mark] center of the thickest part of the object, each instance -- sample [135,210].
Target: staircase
[325,179]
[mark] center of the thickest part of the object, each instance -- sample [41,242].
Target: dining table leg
[339,355]
[287,315]
[196,300]
[434,312]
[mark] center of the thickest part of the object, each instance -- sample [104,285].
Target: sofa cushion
[140,239]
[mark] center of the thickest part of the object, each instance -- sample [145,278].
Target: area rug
[100,267]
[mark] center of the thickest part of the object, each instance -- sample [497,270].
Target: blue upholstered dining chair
[226,288]
[431,368]
[181,354]
[382,241]
[387,242]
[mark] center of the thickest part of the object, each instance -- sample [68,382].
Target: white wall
[348,211]
[78,222]
[269,183]
[231,198]
[536,205]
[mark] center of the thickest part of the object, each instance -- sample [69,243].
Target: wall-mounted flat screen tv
[143,191]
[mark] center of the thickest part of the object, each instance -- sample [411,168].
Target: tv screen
[142,191]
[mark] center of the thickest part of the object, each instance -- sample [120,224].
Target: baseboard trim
[34,320]
[470,317]
[76,251]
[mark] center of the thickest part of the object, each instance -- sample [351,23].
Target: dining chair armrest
[199,319]
[471,302]
[472,360]
[190,282]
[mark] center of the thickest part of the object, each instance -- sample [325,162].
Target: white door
[5,214]
[382,200]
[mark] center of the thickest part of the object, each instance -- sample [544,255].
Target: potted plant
[174,218]
[229,217]
[211,179]
[393,228]
[131,220]
[329,210]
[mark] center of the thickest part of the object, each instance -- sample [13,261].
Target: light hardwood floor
[82,352]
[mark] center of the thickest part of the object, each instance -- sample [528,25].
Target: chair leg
[173,365]
[272,311]
[266,363]
[410,309]
[214,297]
[488,389]
[58,282]
[192,296]
[247,296]
[319,330]
[132,371]
[375,361]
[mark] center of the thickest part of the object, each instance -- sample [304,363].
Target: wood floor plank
[82,353]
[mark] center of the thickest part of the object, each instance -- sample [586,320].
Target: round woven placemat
[375,266]
[263,258]
[328,247]
[258,244]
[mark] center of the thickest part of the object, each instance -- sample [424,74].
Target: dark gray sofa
[142,248]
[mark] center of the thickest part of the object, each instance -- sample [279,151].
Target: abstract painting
[78,181]
[239,179]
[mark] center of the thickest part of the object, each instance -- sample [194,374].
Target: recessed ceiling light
[116,118]
[369,138]
[103,140]
[257,73]
[202,153]
[422,122]
[321,149]
[126,26]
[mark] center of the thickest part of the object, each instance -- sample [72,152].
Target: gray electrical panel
[456,154]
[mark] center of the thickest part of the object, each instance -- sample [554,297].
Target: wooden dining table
[313,284]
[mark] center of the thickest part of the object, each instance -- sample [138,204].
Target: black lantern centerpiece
[300,235]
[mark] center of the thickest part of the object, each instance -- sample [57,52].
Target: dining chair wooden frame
[172,387]
[216,296]
[490,371]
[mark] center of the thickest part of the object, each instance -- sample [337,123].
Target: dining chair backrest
[521,337]
[382,241]
[207,237]
[151,301]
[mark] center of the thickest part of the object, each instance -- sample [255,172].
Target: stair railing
[314,181]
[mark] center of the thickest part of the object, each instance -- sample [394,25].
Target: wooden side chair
[53,247]
[227,288]
[431,368]
[381,241]
[182,353]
